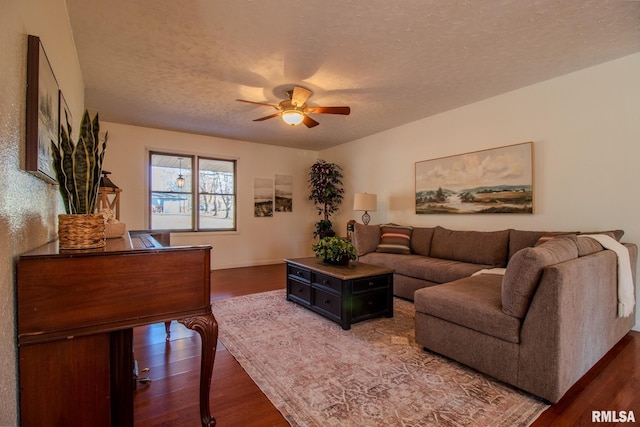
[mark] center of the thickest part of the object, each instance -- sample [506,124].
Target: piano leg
[123,382]
[207,327]
[167,329]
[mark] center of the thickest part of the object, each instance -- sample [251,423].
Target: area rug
[374,374]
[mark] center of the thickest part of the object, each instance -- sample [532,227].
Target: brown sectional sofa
[540,326]
[438,255]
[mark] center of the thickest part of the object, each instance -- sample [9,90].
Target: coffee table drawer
[299,290]
[299,273]
[327,302]
[369,304]
[370,283]
[328,281]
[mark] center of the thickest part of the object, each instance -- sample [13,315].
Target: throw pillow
[395,239]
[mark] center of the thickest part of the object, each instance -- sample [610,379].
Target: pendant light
[180,180]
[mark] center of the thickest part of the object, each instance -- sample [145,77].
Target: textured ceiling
[180,65]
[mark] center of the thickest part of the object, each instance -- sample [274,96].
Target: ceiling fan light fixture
[295,110]
[292,117]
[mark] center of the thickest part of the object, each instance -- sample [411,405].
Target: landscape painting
[284,193]
[498,180]
[263,197]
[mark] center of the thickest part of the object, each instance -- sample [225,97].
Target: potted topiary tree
[325,181]
[78,168]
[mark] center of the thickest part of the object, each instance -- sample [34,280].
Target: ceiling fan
[295,110]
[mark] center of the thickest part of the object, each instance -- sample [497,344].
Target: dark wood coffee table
[344,294]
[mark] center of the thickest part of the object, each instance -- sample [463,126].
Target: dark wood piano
[76,310]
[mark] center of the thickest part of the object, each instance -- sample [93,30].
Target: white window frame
[193,182]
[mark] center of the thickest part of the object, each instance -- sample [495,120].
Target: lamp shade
[365,202]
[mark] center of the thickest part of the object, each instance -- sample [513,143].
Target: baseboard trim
[249,264]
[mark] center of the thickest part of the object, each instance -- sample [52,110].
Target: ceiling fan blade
[300,96]
[328,110]
[258,103]
[267,117]
[309,122]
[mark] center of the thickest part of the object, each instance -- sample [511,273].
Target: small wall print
[498,180]
[284,193]
[263,197]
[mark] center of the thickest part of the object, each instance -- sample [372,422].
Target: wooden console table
[76,310]
[344,294]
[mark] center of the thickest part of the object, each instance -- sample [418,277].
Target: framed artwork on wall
[284,193]
[43,114]
[263,197]
[497,180]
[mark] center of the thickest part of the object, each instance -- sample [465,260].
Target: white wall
[28,206]
[586,132]
[257,240]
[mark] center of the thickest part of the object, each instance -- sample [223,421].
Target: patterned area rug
[375,374]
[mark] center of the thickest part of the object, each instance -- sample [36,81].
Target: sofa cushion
[616,234]
[525,269]
[478,247]
[395,239]
[365,238]
[472,302]
[587,246]
[550,236]
[434,270]
[438,270]
[394,261]
[421,240]
[520,239]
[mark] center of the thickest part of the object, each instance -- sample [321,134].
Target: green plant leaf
[325,182]
[63,166]
[95,166]
[78,167]
[81,163]
[334,249]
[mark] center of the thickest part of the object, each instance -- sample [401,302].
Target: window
[175,184]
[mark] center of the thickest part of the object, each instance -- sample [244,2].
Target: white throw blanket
[626,298]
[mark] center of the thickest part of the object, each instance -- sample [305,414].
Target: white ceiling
[180,65]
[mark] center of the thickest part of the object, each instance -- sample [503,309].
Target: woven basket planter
[81,231]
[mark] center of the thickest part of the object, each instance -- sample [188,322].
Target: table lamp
[365,202]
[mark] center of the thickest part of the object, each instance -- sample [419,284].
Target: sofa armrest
[572,322]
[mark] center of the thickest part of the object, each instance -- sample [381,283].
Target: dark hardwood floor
[171,399]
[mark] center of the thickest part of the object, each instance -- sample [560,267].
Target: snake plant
[78,166]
